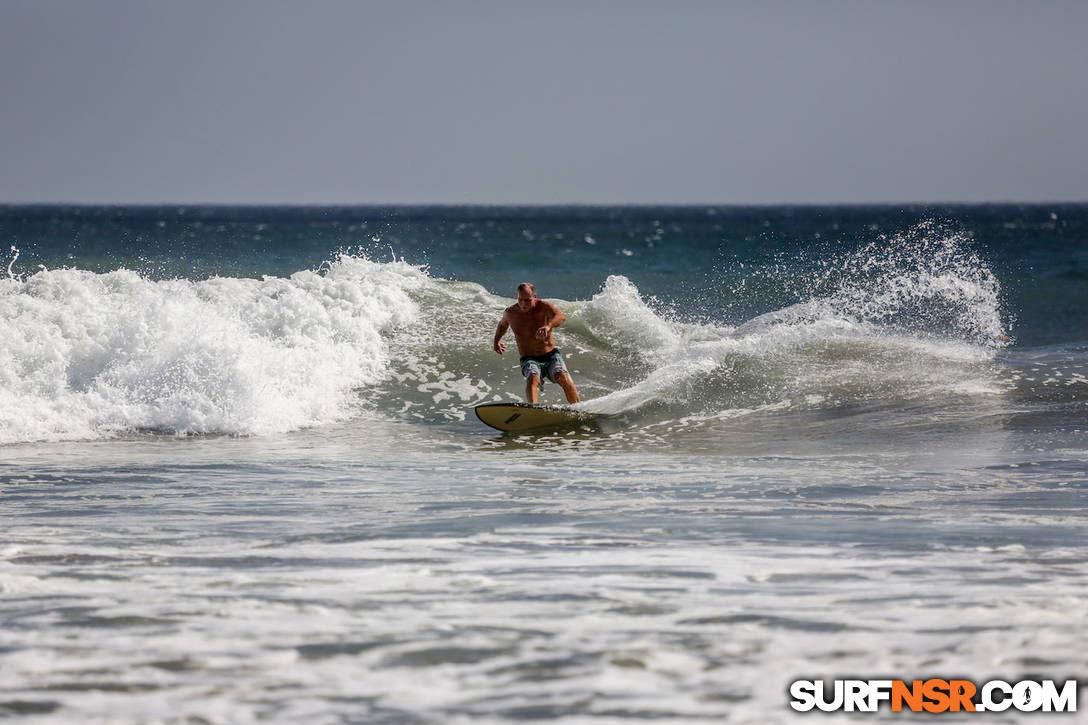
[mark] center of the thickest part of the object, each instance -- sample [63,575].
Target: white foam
[664,627]
[87,355]
[619,316]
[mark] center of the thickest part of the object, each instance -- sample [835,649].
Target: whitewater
[242,482]
[90,354]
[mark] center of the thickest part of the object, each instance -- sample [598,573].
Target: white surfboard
[519,417]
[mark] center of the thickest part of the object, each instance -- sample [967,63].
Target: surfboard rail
[520,417]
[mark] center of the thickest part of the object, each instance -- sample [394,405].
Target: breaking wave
[86,355]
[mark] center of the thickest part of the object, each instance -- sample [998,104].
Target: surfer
[532,320]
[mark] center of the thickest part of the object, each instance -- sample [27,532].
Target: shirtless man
[533,320]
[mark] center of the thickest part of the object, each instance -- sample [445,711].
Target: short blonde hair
[527,286]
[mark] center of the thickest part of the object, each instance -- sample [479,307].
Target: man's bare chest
[526,321]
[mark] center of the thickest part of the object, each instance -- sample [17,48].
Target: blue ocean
[241,478]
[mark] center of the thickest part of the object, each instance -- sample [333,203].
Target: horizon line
[573,204]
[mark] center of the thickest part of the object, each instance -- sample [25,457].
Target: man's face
[526,299]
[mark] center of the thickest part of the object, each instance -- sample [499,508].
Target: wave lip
[89,355]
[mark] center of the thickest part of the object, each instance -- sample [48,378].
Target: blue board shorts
[543,366]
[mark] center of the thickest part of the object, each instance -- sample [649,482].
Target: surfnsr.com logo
[934,695]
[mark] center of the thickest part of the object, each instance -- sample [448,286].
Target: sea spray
[14,258]
[926,281]
[912,317]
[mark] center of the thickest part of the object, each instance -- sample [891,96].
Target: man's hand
[496,344]
[542,332]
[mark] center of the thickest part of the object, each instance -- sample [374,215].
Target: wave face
[88,355]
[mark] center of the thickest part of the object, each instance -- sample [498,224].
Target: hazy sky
[543,102]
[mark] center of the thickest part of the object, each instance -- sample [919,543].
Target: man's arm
[554,320]
[497,346]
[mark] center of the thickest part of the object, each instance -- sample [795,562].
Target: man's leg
[564,381]
[532,388]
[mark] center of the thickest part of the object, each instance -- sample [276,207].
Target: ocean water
[241,480]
